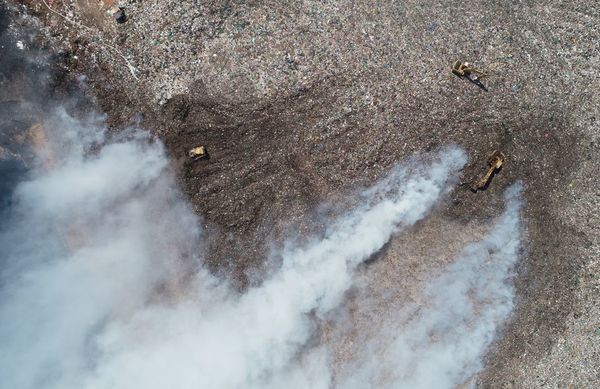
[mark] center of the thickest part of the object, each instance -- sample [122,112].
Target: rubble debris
[495,162]
[197,153]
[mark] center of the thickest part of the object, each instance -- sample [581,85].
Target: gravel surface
[302,102]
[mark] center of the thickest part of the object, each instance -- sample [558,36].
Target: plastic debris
[119,14]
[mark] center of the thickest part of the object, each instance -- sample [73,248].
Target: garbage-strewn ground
[299,103]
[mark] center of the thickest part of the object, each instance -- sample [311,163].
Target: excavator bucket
[495,162]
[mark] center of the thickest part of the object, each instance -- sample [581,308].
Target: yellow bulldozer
[197,153]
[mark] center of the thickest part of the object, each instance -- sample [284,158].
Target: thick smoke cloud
[440,344]
[102,285]
[89,241]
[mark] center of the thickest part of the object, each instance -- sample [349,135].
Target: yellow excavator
[465,69]
[495,162]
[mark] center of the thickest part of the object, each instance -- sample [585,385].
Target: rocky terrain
[301,103]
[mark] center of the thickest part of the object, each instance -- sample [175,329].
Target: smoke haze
[440,342]
[102,283]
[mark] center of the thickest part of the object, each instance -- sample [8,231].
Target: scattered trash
[431,27]
[495,162]
[119,14]
[290,61]
[197,153]
[102,43]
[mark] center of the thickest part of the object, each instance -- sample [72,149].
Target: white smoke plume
[88,243]
[102,284]
[441,344]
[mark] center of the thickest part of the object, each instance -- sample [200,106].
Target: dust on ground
[302,102]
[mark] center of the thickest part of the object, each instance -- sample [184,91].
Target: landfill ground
[301,103]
